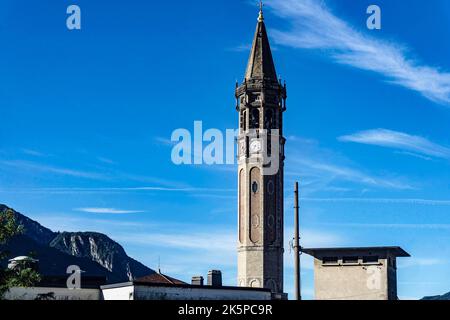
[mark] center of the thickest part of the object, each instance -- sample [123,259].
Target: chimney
[197,281]
[215,278]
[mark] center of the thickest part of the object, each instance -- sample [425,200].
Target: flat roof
[397,251]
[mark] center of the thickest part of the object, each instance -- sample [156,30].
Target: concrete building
[261,101]
[157,291]
[159,286]
[356,273]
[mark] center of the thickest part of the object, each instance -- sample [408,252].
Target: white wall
[174,293]
[140,292]
[130,292]
[349,282]
[121,293]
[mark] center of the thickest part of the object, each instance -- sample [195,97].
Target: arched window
[243,120]
[254,121]
[268,119]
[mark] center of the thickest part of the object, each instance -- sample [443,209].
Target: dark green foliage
[8,226]
[22,275]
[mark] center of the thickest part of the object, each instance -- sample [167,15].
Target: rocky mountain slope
[101,249]
[95,253]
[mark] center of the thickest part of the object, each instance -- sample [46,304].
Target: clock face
[255,146]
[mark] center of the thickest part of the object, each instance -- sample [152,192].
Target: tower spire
[260,65]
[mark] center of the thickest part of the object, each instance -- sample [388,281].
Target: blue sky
[87,117]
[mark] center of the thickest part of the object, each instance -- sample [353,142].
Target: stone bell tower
[261,101]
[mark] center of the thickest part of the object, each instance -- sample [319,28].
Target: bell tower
[260,101]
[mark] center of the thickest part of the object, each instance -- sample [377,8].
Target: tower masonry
[261,101]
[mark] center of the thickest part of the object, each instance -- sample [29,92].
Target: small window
[255,187]
[350,260]
[330,260]
[370,259]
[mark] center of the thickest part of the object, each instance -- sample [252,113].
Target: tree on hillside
[22,275]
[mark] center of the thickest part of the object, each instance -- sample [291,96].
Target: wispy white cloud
[76,223]
[33,153]
[314,26]
[429,202]
[412,154]
[223,240]
[398,140]
[421,262]
[320,168]
[241,48]
[107,210]
[103,174]
[392,225]
[111,190]
[353,175]
[32,166]
[164,141]
[106,160]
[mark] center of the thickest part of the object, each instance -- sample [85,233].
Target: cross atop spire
[261,15]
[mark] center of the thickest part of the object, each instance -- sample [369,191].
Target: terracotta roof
[160,279]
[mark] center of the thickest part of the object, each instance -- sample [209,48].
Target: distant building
[136,290]
[55,288]
[161,287]
[356,273]
[23,262]
[156,286]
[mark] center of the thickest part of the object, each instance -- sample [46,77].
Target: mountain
[443,297]
[33,229]
[95,253]
[53,262]
[101,249]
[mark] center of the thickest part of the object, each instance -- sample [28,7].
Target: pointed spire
[260,64]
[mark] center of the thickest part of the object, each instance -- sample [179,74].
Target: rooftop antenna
[159,264]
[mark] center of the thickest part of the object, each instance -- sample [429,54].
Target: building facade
[356,273]
[157,291]
[261,101]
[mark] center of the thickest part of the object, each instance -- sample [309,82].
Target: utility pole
[297,248]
